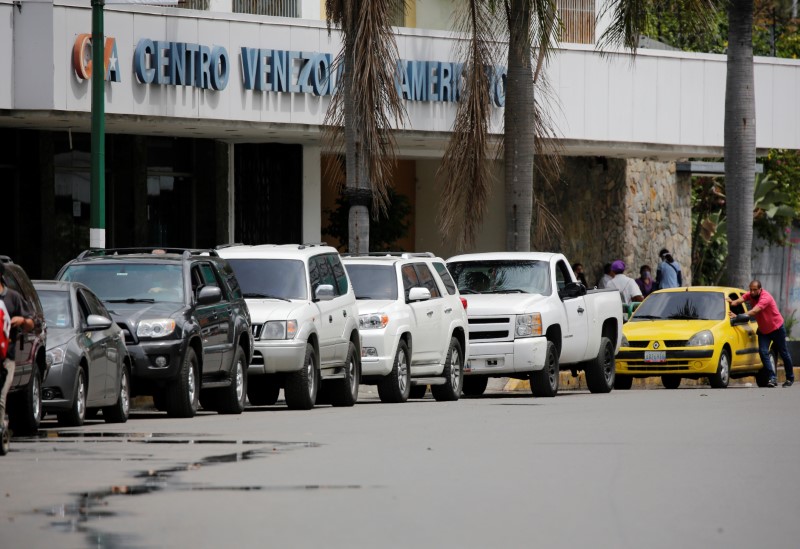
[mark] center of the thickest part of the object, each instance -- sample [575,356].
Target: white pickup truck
[529,318]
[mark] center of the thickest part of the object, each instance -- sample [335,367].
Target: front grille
[499,334]
[638,344]
[501,320]
[256,329]
[680,366]
[675,342]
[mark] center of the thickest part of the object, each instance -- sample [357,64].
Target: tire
[263,390]
[475,386]
[76,415]
[671,381]
[28,406]
[396,386]
[183,394]
[344,392]
[231,399]
[453,374]
[601,371]
[721,379]
[418,391]
[5,439]
[302,386]
[120,410]
[623,382]
[544,382]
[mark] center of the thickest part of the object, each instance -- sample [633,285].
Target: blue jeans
[778,340]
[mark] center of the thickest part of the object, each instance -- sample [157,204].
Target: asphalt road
[692,467]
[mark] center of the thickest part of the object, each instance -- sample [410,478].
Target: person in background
[628,289]
[21,321]
[668,274]
[603,282]
[578,270]
[646,284]
[770,329]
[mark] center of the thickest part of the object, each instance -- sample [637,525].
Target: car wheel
[453,374]
[623,382]
[600,371]
[475,386]
[263,390]
[397,385]
[301,386]
[721,379]
[28,409]
[183,393]
[75,416]
[544,382]
[418,391]
[344,392]
[5,438]
[119,412]
[671,381]
[232,398]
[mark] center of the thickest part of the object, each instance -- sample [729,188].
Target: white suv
[413,325]
[304,321]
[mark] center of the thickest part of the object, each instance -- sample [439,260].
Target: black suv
[185,322]
[25,396]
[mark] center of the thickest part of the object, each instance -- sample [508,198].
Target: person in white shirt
[627,286]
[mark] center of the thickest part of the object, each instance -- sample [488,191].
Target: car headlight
[701,339]
[157,327]
[55,356]
[372,321]
[279,329]
[529,325]
[625,342]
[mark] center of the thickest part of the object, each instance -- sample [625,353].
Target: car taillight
[464,303]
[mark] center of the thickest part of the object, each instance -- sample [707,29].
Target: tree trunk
[357,176]
[519,130]
[740,141]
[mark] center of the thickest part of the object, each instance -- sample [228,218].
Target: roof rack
[229,245]
[311,245]
[154,250]
[401,255]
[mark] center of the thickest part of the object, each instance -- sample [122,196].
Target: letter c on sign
[81,62]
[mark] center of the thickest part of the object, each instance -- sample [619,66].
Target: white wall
[436,14]
[7,60]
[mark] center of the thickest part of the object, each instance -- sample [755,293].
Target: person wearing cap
[21,319]
[627,287]
[668,274]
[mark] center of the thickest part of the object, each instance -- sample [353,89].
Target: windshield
[270,278]
[57,312]
[487,277]
[130,282]
[373,281]
[682,306]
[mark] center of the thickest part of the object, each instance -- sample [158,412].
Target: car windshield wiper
[509,291]
[131,300]
[265,296]
[467,291]
[646,317]
[682,317]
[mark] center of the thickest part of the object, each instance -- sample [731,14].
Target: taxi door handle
[580,310]
[448,311]
[330,318]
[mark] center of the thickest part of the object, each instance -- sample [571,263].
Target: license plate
[655,356]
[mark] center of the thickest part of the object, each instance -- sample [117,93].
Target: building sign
[82,58]
[181,64]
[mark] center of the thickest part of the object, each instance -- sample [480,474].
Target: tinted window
[57,309]
[338,273]
[232,282]
[208,275]
[562,275]
[283,278]
[446,278]
[482,277]
[127,281]
[324,271]
[373,281]
[95,307]
[682,306]
[426,279]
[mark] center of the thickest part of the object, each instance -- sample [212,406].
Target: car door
[424,342]
[95,343]
[576,331]
[341,301]
[320,273]
[112,343]
[745,345]
[208,317]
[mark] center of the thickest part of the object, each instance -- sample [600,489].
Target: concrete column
[312,193]
[224,6]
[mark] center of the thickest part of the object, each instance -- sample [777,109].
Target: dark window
[562,275]
[426,279]
[410,279]
[373,281]
[119,282]
[681,306]
[233,283]
[338,273]
[446,278]
[324,271]
[501,276]
[57,309]
[95,307]
[283,278]
[737,309]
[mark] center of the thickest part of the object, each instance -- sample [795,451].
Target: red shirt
[769,318]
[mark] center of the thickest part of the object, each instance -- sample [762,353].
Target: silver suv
[413,325]
[304,321]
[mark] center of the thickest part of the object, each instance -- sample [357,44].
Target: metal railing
[577,21]
[278,8]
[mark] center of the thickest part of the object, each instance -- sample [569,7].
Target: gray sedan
[89,363]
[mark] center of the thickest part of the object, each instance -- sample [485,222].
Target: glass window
[121,282]
[373,281]
[324,273]
[682,306]
[426,279]
[562,275]
[281,278]
[449,284]
[338,272]
[502,276]
[410,279]
[95,307]
[57,310]
[737,309]
[232,282]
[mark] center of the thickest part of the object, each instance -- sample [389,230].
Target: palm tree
[740,141]
[364,106]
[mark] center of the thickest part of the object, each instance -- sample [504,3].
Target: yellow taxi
[687,333]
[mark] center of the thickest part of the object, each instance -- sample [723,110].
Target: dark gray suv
[186,325]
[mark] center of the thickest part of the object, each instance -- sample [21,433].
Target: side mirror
[738,320]
[324,292]
[419,293]
[97,322]
[209,295]
[572,290]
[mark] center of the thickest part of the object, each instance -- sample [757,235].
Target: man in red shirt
[762,306]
